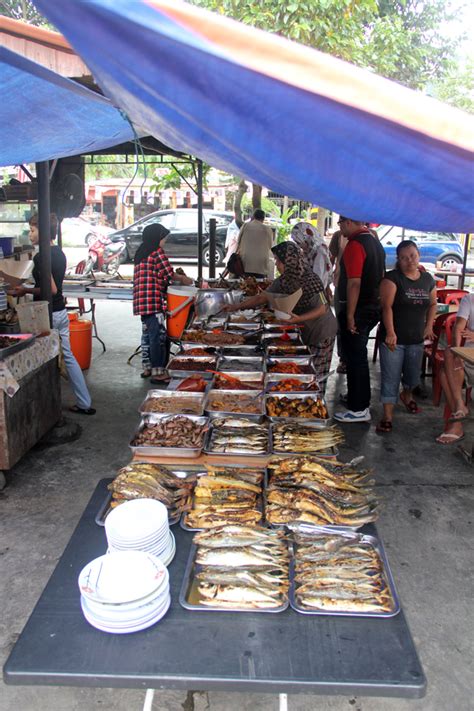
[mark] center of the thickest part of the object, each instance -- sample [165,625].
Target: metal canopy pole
[466,252]
[200,202]
[42,175]
[212,247]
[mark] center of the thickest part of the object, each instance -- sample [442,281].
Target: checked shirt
[150,280]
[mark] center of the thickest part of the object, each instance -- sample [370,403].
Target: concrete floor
[426,524]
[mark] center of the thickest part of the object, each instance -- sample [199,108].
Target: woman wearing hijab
[314,250]
[151,275]
[312,310]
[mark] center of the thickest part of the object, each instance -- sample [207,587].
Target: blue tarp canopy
[45,116]
[288,117]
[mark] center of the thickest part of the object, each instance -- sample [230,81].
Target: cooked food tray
[236,436]
[203,366]
[242,363]
[290,337]
[155,450]
[17,342]
[297,397]
[255,396]
[190,599]
[254,378]
[304,363]
[274,378]
[194,401]
[329,452]
[387,595]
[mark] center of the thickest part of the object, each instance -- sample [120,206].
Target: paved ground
[426,525]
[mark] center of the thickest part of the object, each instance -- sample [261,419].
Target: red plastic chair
[437,356]
[450,296]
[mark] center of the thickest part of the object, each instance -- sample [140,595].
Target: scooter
[104,255]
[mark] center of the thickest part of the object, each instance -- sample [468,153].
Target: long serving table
[252,652]
[80,295]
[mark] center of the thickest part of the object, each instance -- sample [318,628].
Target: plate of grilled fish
[237,436]
[225,495]
[237,568]
[341,574]
[315,491]
[173,486]
[294,438]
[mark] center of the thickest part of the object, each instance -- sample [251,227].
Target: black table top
[228,651]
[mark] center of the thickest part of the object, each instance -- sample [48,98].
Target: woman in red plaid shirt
[151,276]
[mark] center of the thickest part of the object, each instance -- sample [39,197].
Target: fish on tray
[238,436]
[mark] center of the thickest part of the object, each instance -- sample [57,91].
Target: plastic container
[34,317]
[80,331]
[179,300]
[6,244]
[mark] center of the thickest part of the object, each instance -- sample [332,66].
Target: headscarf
[151,239]
[297,275]
[314,249]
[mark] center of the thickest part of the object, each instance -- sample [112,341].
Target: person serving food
[312,310]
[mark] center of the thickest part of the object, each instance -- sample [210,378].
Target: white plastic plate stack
[141,525]
[124,592]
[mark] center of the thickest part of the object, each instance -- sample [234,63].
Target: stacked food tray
[14,342]
[170,436]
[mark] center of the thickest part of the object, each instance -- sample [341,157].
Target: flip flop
[384,426]
[411,406]
[145,374]
[449,438]
[458,416]
[81,411]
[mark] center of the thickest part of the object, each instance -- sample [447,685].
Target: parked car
[182,240]
[79,231]
[434,247]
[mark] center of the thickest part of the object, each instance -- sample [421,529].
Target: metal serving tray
[325,453]
[148,450]
[180,473]
[235,452]
[254,363]
[245,375]
[372,540]
[243,351]
[294,337]
[185,346]
[200,398]
[183,523]
[243,326]
[235,393]
[189,596]
[273,378]
[23,341]
[209,362]
[316,421]
[280,327]
[299,360]
[299,352]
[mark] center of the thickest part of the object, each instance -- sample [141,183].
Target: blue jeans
[354,354]
[403,364]
[145,345]
[76,377]
[154,325]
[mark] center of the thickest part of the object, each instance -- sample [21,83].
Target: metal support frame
[200,215]
[212,247]
[42,175]
[466,252]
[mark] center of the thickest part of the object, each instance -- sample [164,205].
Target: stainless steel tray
[200,398]
[330,453]
[316,421]
[294,336]
[234,452]
[234,393]
[185,452]
[280,326]
[372,540]
[273,378]
[299,352]
[247,351]
[185,346]
[299,360]
[231,364]
[24,340]
[245,375]
[243,326]
[189,596]
[208,364]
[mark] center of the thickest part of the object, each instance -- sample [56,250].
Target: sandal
[384,426]
[145,374]
[81,411]
[458,416]
[411,406]
[449,438]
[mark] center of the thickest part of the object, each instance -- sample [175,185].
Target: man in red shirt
[151,275]
[362,270]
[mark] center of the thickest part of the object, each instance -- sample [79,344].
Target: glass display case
[14,218]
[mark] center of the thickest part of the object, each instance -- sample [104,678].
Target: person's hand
[428,334]
[467,335]
[391,341]
[351,325]
[18,291]
[293,319]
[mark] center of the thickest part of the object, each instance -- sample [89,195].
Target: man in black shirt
[60,317]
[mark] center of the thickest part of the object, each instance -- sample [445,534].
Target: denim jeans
[354,354]
[145,346]
[155,327]
[403,364]
[76,377]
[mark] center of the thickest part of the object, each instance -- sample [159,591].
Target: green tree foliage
[23,10]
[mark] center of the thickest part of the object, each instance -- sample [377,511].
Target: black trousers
[354,353]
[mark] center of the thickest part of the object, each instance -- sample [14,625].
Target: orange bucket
[80,333]
[179,299]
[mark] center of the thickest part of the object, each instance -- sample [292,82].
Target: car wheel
[450,261]
[219,256]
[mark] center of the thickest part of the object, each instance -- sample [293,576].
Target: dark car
[434,247]
[183,238]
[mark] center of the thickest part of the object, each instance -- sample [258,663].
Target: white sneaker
[351,416]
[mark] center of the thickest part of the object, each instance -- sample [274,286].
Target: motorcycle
[104,255]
